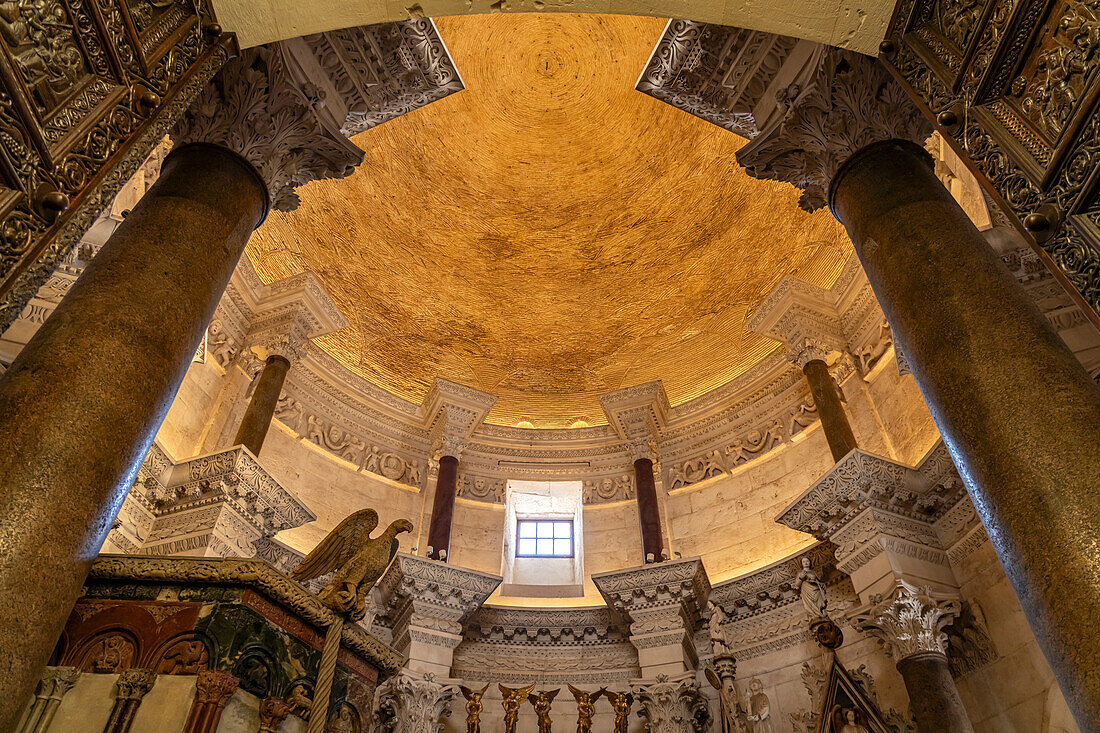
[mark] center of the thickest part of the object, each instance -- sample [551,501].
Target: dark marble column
[649,515]
[261,408]
[81,403]
[830,408]
[933,697]
[443,508]
[1017,411]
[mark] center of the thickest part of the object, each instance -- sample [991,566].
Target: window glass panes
[544,538]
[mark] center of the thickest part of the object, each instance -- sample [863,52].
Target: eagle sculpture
[357,559]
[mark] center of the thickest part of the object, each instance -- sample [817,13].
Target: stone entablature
[219,504]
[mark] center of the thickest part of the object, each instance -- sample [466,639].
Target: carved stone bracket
[452,412]
[415,703]
[671,704]
[638,415]
[910,622]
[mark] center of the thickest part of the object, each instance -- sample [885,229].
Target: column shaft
[933,697]
[1017,411]
[261,408]
[443,507]
[649,515]
[81,404]
[834,420]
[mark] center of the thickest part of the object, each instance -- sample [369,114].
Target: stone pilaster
[672,704]
[55,683]
[415,703]
[423,603]
[663,603]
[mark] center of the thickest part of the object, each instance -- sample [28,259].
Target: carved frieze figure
[511,702]
[357,559]
[718,639]
[474,706]
[300,700]
[542,702]
[812,590]
[586,707]
[760,708]
[344,720]
[621,702]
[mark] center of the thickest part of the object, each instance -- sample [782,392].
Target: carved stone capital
[910,622]
[849,102]
[273,712]
[288,108]
[806,351]
[671,704]
[56,681]
[638,415]
[416,702]
[214,687]
[134,683]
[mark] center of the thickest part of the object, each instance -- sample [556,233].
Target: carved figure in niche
[812,590]
[718,639]
[474,707]
[733,712]
[760,708]
[254,674]
[541,703]
[111,654]
[621,702]
[511,702]
[847,720]
[586,707]
[184,657]
[344,720]
[300,700]
[357,559]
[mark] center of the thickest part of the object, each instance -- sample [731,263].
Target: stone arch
[860,27]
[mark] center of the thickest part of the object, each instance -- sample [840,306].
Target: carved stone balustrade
[663,603]
[888,521]
[217,505]
[671,704]
[423,603]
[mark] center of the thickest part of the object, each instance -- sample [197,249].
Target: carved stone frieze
[416,703]
[909,622]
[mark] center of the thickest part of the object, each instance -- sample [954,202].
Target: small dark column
[82,402]
[933,697]
[213,688]
[834,420]
[649,516]
[1018,413]
[443,508]
[261,408]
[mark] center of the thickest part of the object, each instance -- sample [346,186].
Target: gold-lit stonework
[550,233]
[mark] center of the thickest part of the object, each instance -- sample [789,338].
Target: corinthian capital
[910,622]
[849,102]
[416,702]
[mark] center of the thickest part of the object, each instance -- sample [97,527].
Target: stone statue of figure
[812,590]
[760,708]
[541,702]
[718,639]
[733,714]
[511,703]
[586,707]
[621,702]
[851,724]
[474,707]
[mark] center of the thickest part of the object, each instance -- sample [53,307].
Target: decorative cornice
[245,573]
[638,415]
[678,584]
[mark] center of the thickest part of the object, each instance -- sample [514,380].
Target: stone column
[830,408]
[910,625]
[452,413]
[131,687]
[416,703]
[443,508]
[649,514]
[261,408]
[213,689]
[55,682]
[1017,411]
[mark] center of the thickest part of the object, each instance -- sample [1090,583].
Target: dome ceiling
[550,233]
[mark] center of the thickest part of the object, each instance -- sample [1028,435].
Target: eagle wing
[339,546]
